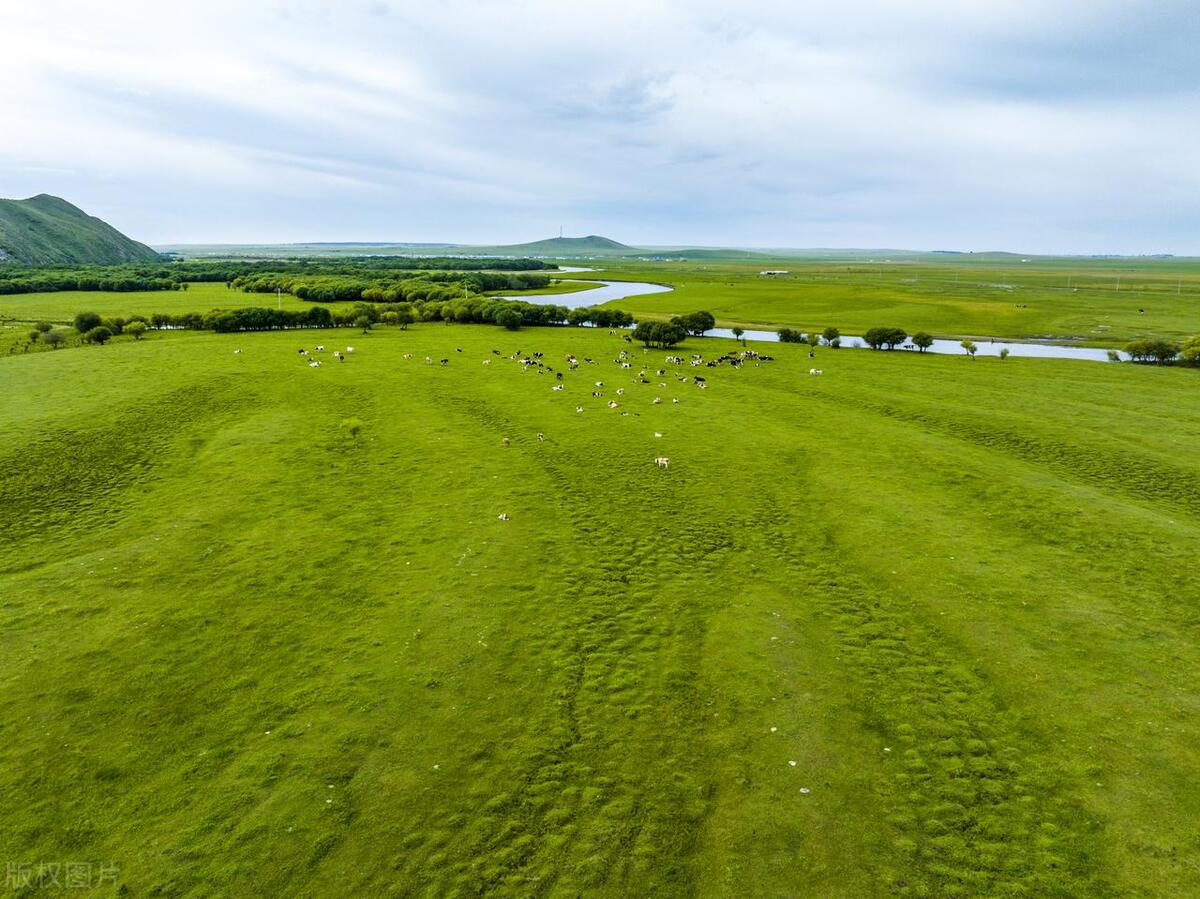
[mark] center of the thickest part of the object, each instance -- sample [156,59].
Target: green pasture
[920,626]
[947,300]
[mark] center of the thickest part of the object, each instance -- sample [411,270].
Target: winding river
[619,290]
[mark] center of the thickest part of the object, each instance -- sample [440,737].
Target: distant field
[200,297]
[921,626]
[946,300]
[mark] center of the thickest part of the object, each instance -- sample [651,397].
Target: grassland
[922,626]
[1061,300]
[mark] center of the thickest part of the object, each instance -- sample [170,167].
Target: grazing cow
[662,462]
[320,347]
[599,383]
[657,433]
[557,387]
[674,401]
[408,355]
[657,401]
[620,391]
[445,362]
[339,356]
[458,349]
[428,361]
[815,371]
[503,516]
[597,393]
[504,441]
[237,352]
[314,364]
[558,375]
[303,352]
[495,352]
[612,404]
[487,361]
[579,408]
[541,437]
[349,349]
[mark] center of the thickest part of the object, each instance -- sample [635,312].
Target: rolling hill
[46,230]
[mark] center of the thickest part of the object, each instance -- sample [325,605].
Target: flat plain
[923,625]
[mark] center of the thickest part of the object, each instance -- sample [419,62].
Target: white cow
[662,462]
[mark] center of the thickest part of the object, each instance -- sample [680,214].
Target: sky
[1039,126]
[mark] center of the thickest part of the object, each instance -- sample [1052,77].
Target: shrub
[509,318]
[137,329]
[1189,353]
[54,339]
[790,335]
[98,334]
[43,327]
[352,426]
[1150,350]
[86,321]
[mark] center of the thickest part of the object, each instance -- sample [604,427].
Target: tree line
[473,273]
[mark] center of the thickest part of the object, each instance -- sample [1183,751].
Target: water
[983,347]
[618,290]
[611,290]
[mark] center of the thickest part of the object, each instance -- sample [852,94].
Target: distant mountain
[46,230]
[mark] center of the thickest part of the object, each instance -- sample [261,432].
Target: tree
[1189,353]
[352,426]
[698,322]
[813,340]
[183,285]
[98,334]
[405,317]
[737,333]
[137,329]
[830,335]
[922,341]
[34,335]
[1150,350]
[363,322]
[509,318]
[85,321]
[1114,356]
[789,335]
[663,334]
[1004,352]
[43,327]
[969,346]
[877,338]
[53,338]
[835,343]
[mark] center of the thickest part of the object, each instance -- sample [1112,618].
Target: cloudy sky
[1029,125]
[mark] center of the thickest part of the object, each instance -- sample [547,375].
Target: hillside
[46,230]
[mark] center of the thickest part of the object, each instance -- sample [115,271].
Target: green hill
[45,230]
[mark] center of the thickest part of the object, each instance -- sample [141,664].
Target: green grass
[244,653]
[61,306]
[946,299]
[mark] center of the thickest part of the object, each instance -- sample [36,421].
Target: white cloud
[1056,126]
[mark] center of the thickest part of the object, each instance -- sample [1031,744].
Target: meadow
[1099,302]
[920,626]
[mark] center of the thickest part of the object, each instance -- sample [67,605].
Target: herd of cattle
[673,367]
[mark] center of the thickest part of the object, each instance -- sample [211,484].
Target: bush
[509,318]
[1189,353]
[790,335]
[1149,350]
[54,339]
[43,327]
[830,335]
[98,334]
[922,341]
[86,321]
[662,334]
[137,329]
